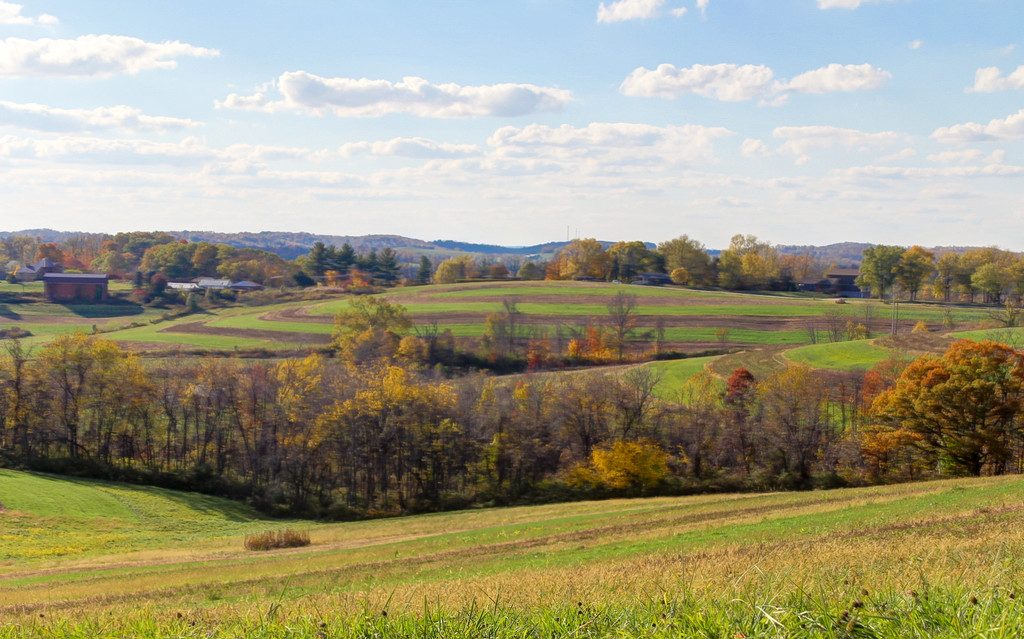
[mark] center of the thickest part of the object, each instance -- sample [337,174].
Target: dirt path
[199,328]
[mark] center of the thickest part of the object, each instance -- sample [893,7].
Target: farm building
[37,270]
[652,279]
[837,281]
[75,287]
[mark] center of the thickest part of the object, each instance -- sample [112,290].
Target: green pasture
[843,356]
[675,373]
[928,559]
[510,289]
[1010,336]
[157,333]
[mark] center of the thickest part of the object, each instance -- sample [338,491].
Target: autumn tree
[796,433]
[913,270]
[629,259]
[369,328]
[748,263]
[945,275]
[584,258]
[878,268]
[686,253]
[965,405]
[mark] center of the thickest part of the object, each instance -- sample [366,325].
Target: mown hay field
[929,559]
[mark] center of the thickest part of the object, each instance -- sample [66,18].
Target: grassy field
[688,320]
[937,559]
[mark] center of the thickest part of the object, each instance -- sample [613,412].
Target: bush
[269,539]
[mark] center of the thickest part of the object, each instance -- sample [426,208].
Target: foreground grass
[939,559]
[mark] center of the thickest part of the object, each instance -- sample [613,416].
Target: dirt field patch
[198,328]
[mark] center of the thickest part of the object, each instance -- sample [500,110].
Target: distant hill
[291,245]
[840,254]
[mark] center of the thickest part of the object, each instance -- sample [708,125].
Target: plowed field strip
[199,328]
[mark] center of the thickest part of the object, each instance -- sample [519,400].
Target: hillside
[938,559]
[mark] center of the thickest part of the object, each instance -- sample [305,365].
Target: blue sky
[517,122]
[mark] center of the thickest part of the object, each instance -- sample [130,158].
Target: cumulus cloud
[839,78]
[998,130]
[349,97]
[752,148]
[703,6]
[737,83]
[10,13]
[39,117]
[409,148]
[628,10]
[991,79]
[725,82]
[800,140]
[91,56]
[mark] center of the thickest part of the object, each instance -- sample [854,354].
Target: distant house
[838,281]
[246,286]
[35,271]
[652,279]
[182,286]
[209,282]
[75,287]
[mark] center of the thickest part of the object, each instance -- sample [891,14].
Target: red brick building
[75,287]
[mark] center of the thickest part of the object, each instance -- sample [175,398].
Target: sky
[518,122]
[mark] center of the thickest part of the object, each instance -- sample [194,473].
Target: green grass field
[675,373]
[939,559]
[844,356]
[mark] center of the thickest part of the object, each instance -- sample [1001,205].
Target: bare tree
[622,319]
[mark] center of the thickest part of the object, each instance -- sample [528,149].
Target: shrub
[270,539]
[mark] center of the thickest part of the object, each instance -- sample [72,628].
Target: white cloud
[956,157]
[96,150]
[39,117]
[91,55]
[628,10]
[10,13]
[839,78]
[845,4]
[802,139]
[904,154]
[752,148]
[990,80]
[916,44]
[998,130]
[349,97]
[734,83]
[703,6]
[611,143]
[409,148]
[678,13]
[190,152]
[725,82]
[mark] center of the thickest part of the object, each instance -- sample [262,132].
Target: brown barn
[75,287]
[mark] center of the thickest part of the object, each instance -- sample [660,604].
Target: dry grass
[270,539]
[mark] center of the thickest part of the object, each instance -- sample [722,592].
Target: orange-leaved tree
[964,405]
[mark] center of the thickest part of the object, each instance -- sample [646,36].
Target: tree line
[368,432]
[988,275]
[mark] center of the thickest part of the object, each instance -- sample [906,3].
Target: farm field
[939,559]
[686,320]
